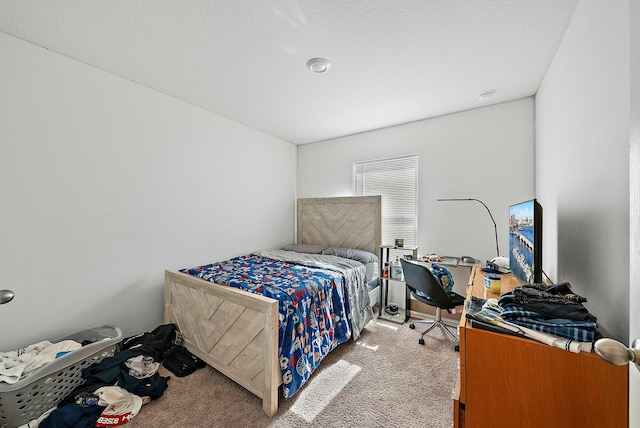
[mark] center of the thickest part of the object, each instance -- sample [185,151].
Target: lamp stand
[495,227]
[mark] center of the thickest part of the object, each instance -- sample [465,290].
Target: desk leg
[407,301]
[382,299]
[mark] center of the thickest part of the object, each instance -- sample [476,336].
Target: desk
[451,261]
[515,382]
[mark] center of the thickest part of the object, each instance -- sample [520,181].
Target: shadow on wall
[588,259]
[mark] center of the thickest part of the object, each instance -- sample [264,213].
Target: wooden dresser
[507,381]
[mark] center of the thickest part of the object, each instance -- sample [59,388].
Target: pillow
[443,276]
[305,248]
[362,256]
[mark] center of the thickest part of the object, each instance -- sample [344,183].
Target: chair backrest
[419,277]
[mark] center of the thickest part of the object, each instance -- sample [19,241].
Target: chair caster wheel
[412,326]
[421,341]
[456,348]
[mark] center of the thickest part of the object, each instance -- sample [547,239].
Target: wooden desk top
[450,261]
[476,288]
[476,284]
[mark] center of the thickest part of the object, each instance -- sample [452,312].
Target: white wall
[486,153]
[634,271]
[582,168]
[104,184]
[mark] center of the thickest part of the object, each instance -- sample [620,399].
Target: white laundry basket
[43,389]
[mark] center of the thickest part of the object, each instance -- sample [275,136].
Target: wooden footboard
[234,331]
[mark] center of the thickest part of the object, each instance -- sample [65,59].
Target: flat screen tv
[525,241]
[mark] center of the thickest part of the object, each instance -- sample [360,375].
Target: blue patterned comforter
[323,303]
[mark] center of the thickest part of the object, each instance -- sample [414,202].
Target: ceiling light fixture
[485,95]
[318,65]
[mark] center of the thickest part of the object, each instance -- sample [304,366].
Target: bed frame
[235,331]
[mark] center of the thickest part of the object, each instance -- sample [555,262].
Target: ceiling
[392,61]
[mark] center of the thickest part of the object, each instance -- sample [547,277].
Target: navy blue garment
[72,416]
[550,309]
[153,386]
[112,371]
[553,301]
[108,370]
[85,387]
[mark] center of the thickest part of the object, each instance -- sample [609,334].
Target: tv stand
[509,381]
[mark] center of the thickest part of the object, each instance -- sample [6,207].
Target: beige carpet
[384,379]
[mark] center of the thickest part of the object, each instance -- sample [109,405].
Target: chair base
[433,324]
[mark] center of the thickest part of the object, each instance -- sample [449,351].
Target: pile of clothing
[18,364]
[116,387]
[550,314]
[107,406]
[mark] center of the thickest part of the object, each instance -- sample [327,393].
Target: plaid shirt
[581,331]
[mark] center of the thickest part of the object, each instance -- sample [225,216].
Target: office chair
[419,278]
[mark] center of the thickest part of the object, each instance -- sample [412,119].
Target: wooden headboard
[352,222]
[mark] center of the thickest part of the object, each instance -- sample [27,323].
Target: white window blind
[396,179]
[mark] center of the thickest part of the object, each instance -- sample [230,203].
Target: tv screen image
[525,241]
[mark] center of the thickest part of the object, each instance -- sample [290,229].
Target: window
[396,179]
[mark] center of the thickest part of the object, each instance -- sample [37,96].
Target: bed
[236,331]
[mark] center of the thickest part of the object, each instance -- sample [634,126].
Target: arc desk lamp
[495,227]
